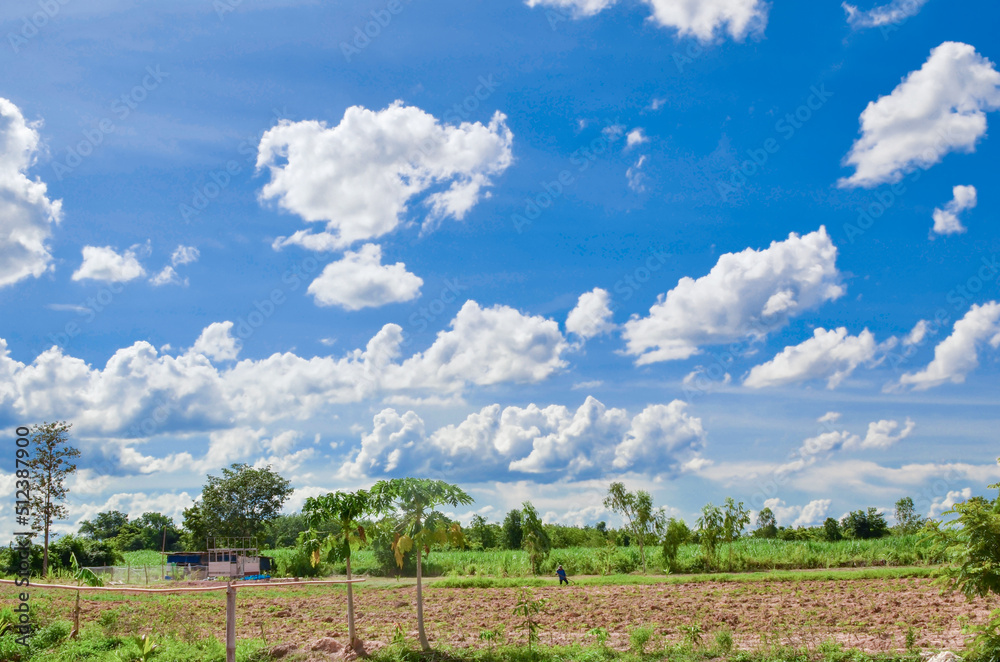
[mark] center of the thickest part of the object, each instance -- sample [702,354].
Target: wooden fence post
[230,623]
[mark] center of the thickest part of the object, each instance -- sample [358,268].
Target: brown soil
[873,615]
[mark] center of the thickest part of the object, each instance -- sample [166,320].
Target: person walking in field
[562,576]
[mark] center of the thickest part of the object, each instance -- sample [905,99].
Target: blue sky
[707,248]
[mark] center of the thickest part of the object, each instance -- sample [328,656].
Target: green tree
[969,543]
[347,510]
[481,532]
[676,534]
[242,500]
[907,519]
[534,539]
[767,524]
[151,531]
[196,531]
[512,530]
[831,530]
[421,526]
[49,465]
[642,519]
[104,526]
[863,525]
[710,531]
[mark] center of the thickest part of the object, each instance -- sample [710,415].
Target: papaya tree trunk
[350,606]
[420,607]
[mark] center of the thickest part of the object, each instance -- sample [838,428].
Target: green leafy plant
[723,642]
[692,634]
[534,538]
[528,609]
[146,647]
[601,634]
[639,638]
[493,636]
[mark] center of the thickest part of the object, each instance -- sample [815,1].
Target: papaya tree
[420,525]
[346,510]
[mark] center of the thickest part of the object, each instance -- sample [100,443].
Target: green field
[745,555]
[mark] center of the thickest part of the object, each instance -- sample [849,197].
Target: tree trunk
[76,618]
[420,606]
[350,606]
[45,551]
[47,518]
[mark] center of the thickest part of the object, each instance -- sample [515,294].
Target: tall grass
[744,555]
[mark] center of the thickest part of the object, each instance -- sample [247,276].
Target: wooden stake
[230,623]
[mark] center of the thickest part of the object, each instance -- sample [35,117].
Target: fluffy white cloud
[592,315]
[831,355]
[184,255]
[917,334]
[360,176]
[486,346]
[940,505]
[704,19]
[810,514]
[957,355]
[880,434]
[217,342]
[936,110]
[946,220]
[102,263]
[550,441]
[658,435]
[26,213]
[894,12]
[141,393]
[394,444]
[635,137]
[360,280]
[745,295]
[168,275]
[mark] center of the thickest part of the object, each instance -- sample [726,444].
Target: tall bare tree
[50,463]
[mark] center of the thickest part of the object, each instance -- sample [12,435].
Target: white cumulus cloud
[26,213]
[958,354]
[938,109]
[102,263]
[360,280]
[946,220]
[592,315]
[359,177]
[549,442]
[832,355]
[746,294]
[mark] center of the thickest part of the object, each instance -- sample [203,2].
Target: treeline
[247,501]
